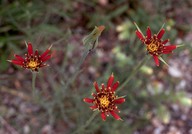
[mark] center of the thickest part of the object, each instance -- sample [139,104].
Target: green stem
[144,60]
[34,75]
[87,123]
[87,50]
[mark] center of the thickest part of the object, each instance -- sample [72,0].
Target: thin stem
[87,123]
[144,60]
[34,75]
[87,50]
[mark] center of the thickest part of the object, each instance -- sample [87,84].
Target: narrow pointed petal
[46,58]
[45,53]
[148,33]
[115,86]
[17,62]
[119,100]
[165,41]
[169,48]
[110,81]
[161,33]
[156,59]
[103,116]
[19,58]
[103,86]
[36,53]
[116,116]
[93,107]
[139,35]
[167,52]
[30,48]
[88,100]
[96,86]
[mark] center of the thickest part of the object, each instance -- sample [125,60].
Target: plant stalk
[144,60]
[34,75]
[87,123]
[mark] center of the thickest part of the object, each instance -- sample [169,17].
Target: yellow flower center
[152,47]
[33,64]
[104,101]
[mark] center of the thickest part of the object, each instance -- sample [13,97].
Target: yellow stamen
[104,101]
[152,47]
[33,64]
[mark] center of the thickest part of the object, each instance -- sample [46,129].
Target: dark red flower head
[105,99]
[32,61]
[154,44]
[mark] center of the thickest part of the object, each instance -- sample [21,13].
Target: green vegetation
[151,94]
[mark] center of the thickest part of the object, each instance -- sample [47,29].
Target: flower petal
[103,116]
[36,53]
[103,86]
[139,35]
[45,53]
[110,81]
[148,33]
[88,100]
[156,59]
[96,86]
[165,41]
[30,48]
[161,33]
[46,58]
[167,52]
[116,116]
[115,86]
[17,62]
[119,100]
[170,48]
[93,107]
[19,58]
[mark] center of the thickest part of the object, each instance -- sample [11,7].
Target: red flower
[155,45]
[105,99]
[32,61]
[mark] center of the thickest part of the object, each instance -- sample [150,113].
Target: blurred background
[158,99]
